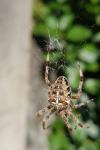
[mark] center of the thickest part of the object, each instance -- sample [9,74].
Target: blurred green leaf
[43,30]
[98,19]
[40,10]
[58,141]
[71,147]
[51,22]
[94,1]
[58,7]
[79,135]
[40,30]
[93,8]
[58,124]
[93,67]
[96,37]
[73,76]
[71,56]
[79,33]
[61,1]
[98,143]
[93,130]
[88,53]
[89,145]
[66,21]
[92,86]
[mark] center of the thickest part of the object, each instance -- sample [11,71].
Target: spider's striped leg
[76,121]
[44,122]
[42,111]
[77,96]
[64,117]
[78,106]
[47,71]
[79,124]
[73,118]
[82,104]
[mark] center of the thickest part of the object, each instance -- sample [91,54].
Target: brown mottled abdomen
[60,92]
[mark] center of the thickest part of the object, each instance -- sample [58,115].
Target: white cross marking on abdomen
[57,99]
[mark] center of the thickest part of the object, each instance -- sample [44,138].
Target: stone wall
[15,57]
[22,91]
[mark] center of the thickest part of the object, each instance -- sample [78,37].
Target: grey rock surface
[15,19]
[18,100]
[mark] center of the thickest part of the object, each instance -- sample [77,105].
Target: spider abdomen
[59,93]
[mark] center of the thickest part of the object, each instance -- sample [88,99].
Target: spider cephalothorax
[60,99]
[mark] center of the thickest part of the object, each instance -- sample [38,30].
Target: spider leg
[78,106]
[82,104]
[81,124]
[44,122]
[42,111]
[64,117]
[77,96]
[75,119]
[69,114]
[47,71]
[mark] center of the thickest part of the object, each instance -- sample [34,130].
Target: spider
[60,99]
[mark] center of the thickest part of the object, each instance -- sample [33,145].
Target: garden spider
[60,99]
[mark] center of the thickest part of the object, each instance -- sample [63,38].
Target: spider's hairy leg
[77,96]
[83,104]
[64,117]
[47,71]
[76,121]
[42,111]
[44,122]
[80,105]
[73,118]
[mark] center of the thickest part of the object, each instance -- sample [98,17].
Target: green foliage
[89,53]
[78,33]
[92,86]
[96,37]
[58,141]
[76,24]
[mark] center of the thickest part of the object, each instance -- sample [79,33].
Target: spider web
[54,44]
